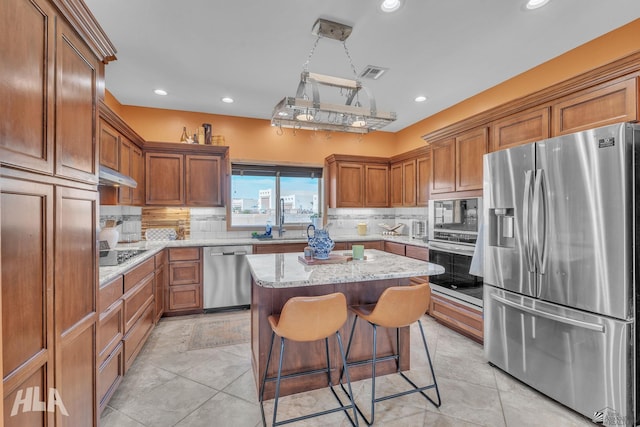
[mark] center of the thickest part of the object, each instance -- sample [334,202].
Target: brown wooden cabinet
[279,248]
[53,57]
[76,116]
[423,178]
[522,128]
[368,244]
[410,177]
[457,162]
[110,361]
[395,184]
[137,173]
[443,163]
[459,317]
[598,106]
[394,247]
[356,181]
[185,281]
[203,180]
[184,174]
[124,193]
[120,150]
[164,179]
[160,283]
[470,147]
[109,145]
[27,288]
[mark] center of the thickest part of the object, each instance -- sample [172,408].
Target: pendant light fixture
[306,111]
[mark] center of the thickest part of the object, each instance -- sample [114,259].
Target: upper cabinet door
[376,186]
[350,185]
[423,180]
[77,71]
[125,193]
[164,179]
[409,183]
[470,147]
[203,186]
[395,178]
[109,146]
[610,103]
[443,166]
[519,129]
[26,84]
[137,173]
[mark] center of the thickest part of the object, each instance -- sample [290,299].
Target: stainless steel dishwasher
[227,279]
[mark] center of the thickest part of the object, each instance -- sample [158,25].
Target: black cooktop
[117,257]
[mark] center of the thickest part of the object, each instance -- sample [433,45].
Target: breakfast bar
[278,277]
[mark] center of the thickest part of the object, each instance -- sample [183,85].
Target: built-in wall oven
[453,233]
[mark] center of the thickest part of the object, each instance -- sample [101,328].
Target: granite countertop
[286,270]
[153,247]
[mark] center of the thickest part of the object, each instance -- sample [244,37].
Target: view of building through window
[257,191]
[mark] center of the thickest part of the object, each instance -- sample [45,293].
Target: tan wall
[254,139]
[603,50]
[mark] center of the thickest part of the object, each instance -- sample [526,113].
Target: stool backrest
[400,306]
[312,318]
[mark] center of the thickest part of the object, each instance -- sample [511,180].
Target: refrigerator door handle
[573,322]
[526,228]
[540,214]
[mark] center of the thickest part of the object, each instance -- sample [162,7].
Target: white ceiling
[254,50]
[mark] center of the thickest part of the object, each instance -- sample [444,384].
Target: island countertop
[287,271]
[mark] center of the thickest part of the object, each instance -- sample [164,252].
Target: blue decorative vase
[320,242]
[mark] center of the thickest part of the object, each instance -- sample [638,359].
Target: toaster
[417,229]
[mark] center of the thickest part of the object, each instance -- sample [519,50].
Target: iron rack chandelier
[300,112]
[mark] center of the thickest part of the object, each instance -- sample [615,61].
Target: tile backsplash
[211,223]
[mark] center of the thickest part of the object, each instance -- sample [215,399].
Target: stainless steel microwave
[455,221]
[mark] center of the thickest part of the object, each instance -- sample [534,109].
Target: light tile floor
[170,385]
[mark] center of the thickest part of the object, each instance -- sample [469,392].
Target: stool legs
[279,377]
[374,360]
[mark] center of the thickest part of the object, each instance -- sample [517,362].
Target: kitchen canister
[362,229]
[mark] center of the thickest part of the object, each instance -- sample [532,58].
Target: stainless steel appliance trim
[227,279]
[455,249]
[113,178]
[568,321]
[464,299]
[526,229]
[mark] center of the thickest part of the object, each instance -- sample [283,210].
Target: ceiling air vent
[372,72]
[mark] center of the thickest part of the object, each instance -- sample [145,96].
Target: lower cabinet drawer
[136,337]
[136,300]
[110,330]
[110,374]
[458,317]
[417,252]
[185,297]
[394,248]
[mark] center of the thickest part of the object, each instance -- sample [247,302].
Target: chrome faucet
[281,229]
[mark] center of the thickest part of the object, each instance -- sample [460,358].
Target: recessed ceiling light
[160,92]
[420,98]
[390,5]
[534,4]
[227,100]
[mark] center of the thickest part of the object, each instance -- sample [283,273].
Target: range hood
[112,178]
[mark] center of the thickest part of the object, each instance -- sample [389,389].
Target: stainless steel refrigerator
[559,268]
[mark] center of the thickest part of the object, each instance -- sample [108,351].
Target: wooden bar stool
[305,319]
[397,307]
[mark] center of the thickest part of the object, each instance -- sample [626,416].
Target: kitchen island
[278,277]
